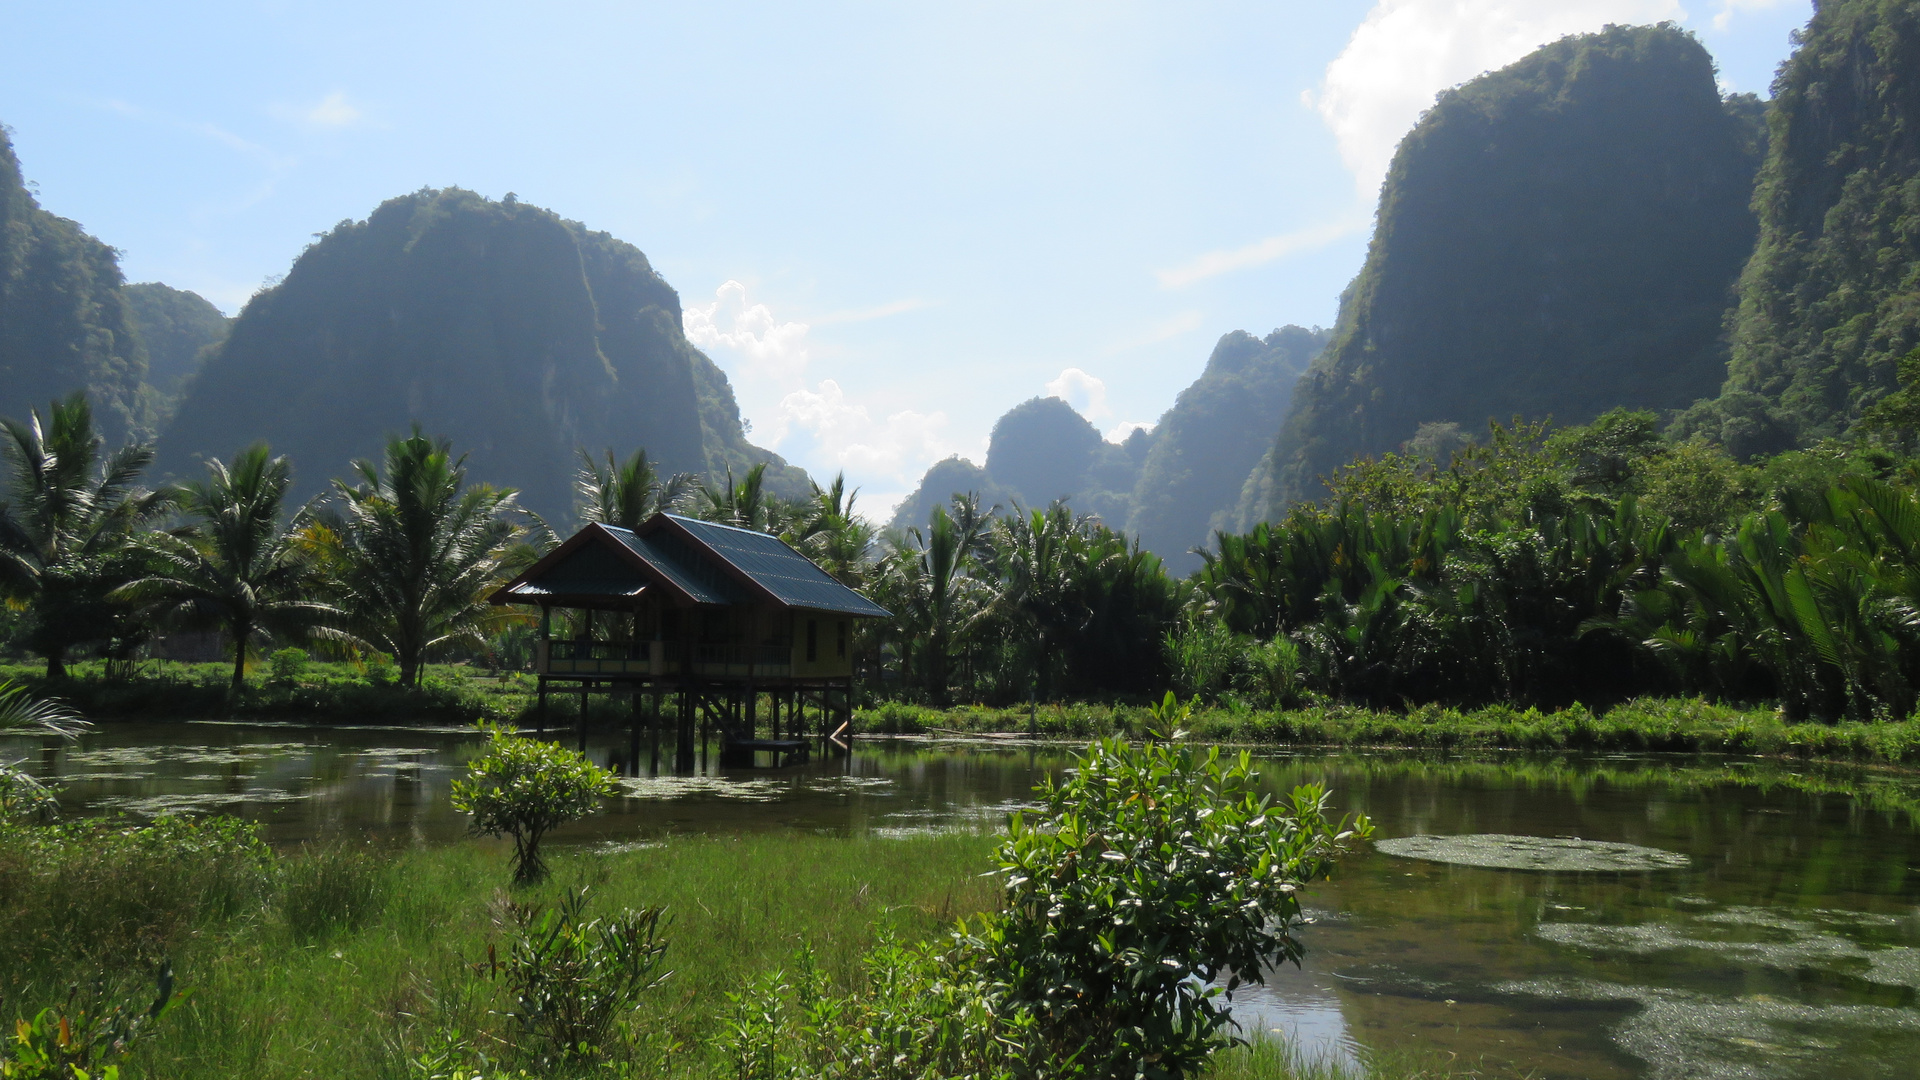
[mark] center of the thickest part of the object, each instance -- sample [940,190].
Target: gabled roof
[694,562]
[791,578]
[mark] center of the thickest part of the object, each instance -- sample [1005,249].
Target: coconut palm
[414,551]
[242,566]
[826,529]
[930,581]
[743,504]
[65,527]
[624,494]
[23,714]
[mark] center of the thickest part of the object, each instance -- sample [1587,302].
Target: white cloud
[1119,432]
[1724,17]
[771,348]
[821,427]
[1407,51]
[831,432]
[334,111]
[1214,263]
[898,307]
[1085,393]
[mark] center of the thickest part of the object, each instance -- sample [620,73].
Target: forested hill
[1216,432]
[177,327]
[64,323]
[1040,450]
[517,334]
[1828,303]
[1556,238]
[1168,488]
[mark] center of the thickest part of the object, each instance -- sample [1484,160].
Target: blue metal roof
[691,571]
[790,576]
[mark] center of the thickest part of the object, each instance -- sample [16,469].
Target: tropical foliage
[524,788]
[243,565]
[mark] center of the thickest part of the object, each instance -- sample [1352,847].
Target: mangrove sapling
[1151,871]
[523,788]
[572,979]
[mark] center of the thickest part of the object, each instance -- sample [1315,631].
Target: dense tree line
[1536,566]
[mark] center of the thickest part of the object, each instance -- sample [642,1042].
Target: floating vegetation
[1684,1035]
[156,805]
[680,787]
[1501,851]
[1793,942]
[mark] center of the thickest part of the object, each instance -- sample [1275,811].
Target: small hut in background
[717,616]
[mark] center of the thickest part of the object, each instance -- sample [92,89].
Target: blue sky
[888,222]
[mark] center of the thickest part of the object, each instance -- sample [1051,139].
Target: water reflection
[1782,939]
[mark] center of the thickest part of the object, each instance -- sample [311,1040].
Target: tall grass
[362,960]
[1663,724]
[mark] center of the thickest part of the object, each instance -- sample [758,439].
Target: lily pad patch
[1501,851]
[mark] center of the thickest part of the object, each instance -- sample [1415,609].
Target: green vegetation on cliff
[1556,238]
[500,325]
[1216,432]
[64,323]
[1828,301]
[176,326]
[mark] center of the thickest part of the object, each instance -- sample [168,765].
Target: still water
[1779,937]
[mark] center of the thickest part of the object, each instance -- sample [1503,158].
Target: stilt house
[718,616]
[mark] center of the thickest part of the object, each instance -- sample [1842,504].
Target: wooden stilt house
[719,617]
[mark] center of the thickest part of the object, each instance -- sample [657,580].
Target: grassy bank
[1661,724]
[362,962]
[459,694]
[321,692]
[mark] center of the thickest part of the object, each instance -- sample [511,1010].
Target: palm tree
[66,525]
[242,567]
[828,531]
[936,584]
[1039,565]
[414,552]
[624,494]
[22,714]
[744,505]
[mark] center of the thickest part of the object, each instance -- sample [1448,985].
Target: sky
[889,223]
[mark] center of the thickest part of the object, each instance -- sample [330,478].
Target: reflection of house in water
[717,616]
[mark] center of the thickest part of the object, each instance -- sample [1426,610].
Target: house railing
[613,657]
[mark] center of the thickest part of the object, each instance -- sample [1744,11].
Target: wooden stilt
[633,734]
[653,737]
[540,706]
[583,717]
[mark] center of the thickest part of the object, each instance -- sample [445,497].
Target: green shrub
[573,979]
[915,1014]
[1202,655]
[380,670]
[289,666]
[80,1039]
[1150,871]
[525,787]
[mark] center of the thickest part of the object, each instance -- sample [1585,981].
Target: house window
[841,634]
[813,641]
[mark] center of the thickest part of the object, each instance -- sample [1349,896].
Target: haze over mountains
[1593,226]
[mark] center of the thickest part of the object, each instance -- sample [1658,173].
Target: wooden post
[633,733]
[654,735]
[540,707]
[584,686]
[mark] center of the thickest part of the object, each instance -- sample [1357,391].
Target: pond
[1736,917]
